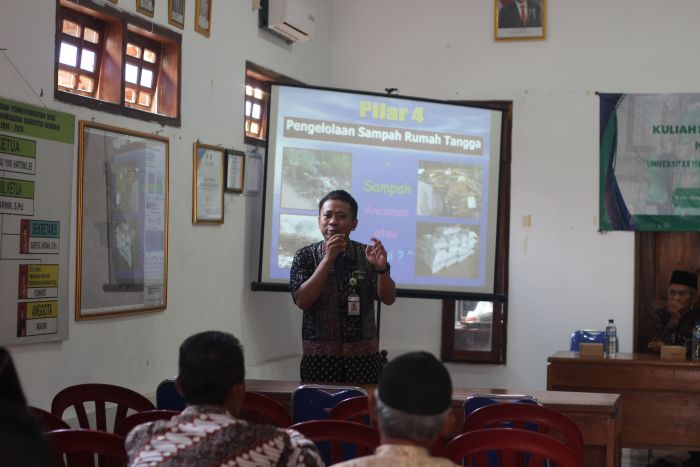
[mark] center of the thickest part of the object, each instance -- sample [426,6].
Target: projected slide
[424,174]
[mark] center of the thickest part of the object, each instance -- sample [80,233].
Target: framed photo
[520,19]
[253,173]
[202,17]
[122,222]
[208,185]
[146,7]
[235,170]
[176,13]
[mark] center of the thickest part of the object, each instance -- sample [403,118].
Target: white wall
[563,274]
[208,266]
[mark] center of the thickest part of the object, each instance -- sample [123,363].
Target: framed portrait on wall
[146,7]
[235,170]
[176,13]
[520,19]
[202,17]
[208,185]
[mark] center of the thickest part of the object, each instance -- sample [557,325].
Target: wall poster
[122,222]
[36,166]
[650,162]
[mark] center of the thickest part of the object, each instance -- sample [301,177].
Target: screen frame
[500,224]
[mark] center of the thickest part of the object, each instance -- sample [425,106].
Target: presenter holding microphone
[335,282]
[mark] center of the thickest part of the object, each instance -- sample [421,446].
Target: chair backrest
[168,397]
[77,396]
[586,336]
[259,408]
[129,423]
[511,446]
[354,409]
[47,420]
[80,446]
[530,417]
[314,402]
[476,401]
[339,433]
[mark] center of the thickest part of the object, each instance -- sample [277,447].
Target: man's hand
[376,255]
[335,246]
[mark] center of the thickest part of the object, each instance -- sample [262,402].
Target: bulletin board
[36,172]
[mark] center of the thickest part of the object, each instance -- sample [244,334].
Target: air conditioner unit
[294,20]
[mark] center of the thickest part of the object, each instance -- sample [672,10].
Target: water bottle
[611,339]
[695,349]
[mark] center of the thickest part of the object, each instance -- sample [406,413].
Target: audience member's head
[10,388]
[414,397]
[210,366]
[21,440]
[682,291]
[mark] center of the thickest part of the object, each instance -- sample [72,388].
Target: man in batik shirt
[335,282]
[211,378]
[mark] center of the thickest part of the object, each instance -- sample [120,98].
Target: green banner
[25,119]
[650,162]
[17,146]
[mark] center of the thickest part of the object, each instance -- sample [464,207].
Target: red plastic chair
[80,446]
[338,433]
[512,447]
[129,423]
[76,397]
[528,417]
[259,408]
[354,409]
[47,420]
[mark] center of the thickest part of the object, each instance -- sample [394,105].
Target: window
[474,328]
[141,72]
[79,54]
[256,97]
[110,60]
[256,101]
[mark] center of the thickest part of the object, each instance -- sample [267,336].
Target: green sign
[17,146]
[16,188]
[25,119]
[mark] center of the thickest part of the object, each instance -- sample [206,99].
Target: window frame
[79,42]
[497,354]
[144,43]
[118,25]
[261,76]
[263,102]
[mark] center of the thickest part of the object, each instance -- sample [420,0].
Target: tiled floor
[640,457]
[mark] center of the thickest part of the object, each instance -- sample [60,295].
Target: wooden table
[597,415]
[660,398]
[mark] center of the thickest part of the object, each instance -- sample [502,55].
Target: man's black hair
[340,195]
[211,364]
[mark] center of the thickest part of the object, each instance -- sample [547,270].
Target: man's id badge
[353,304]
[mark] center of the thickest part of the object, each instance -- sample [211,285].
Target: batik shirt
[328,331]
[205,435]
[680,333]
[389,455]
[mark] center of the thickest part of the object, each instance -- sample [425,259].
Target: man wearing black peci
[673,324]
[335,282]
